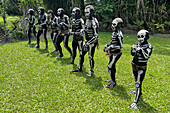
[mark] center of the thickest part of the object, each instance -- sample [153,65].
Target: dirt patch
[10,39]
[7,39]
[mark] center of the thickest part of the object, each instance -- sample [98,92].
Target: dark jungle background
[153,15]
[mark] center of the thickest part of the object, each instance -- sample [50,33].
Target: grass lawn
[34,80]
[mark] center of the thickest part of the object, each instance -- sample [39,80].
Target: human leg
[66,39]
[112,69]
[82,54]
[45,37]
[140,74]
[38,38]
[29,35]
[59,40]
[91,55]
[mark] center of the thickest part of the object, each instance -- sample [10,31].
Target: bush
[16,29]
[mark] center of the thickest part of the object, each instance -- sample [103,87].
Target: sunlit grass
[34,80]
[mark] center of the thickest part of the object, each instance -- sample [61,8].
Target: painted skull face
[41,10]
[74,12]
[31,11]
[142,36]
[87,13]
[114,25]
[60,11]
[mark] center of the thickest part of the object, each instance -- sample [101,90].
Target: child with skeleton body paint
[77,32]
[42,21]
[114,50]
[53,22]
[63,32]
[31,20]
[141,52]
[91,34]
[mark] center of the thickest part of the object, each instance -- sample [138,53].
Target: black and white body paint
[63,25]
[42,21]
[77,31]
[141,52]
[53,23]
[91,35]
[31,20]
[114,50]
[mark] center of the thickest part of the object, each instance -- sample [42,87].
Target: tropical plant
[16,29]
[167,25]
[138,25]
[160,28]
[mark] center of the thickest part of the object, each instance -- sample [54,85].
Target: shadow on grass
[79,74]
[52,55]
[120,91]
[145,107]
[32,45]
[62,61]
[93,81]
[42,51]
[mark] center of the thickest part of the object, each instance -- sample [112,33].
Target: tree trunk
[144,14]
[137,9]
[23,21]
[153,2]
[127,20]
[82,6]
[119,12]
[4,18]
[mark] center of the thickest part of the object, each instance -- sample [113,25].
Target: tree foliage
[151,13]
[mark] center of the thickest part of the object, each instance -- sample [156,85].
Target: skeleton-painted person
[77,32]
[63,33]
[53,22]
[31,20]
[91,34]
[42,21]
[114,50]
[141,52]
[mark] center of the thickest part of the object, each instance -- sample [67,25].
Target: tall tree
[3,3]
[82,6]
[24,5]
[144,14]
[137,9]
[153,2]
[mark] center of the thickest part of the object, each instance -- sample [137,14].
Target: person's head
[41,10]
[50,13]
[116,24]
[31,11]
[76,13]
[60,12]
[89,11]
[143,36]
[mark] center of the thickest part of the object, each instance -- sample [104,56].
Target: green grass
[34,80]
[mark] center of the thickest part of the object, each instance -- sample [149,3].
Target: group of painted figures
[60,31]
